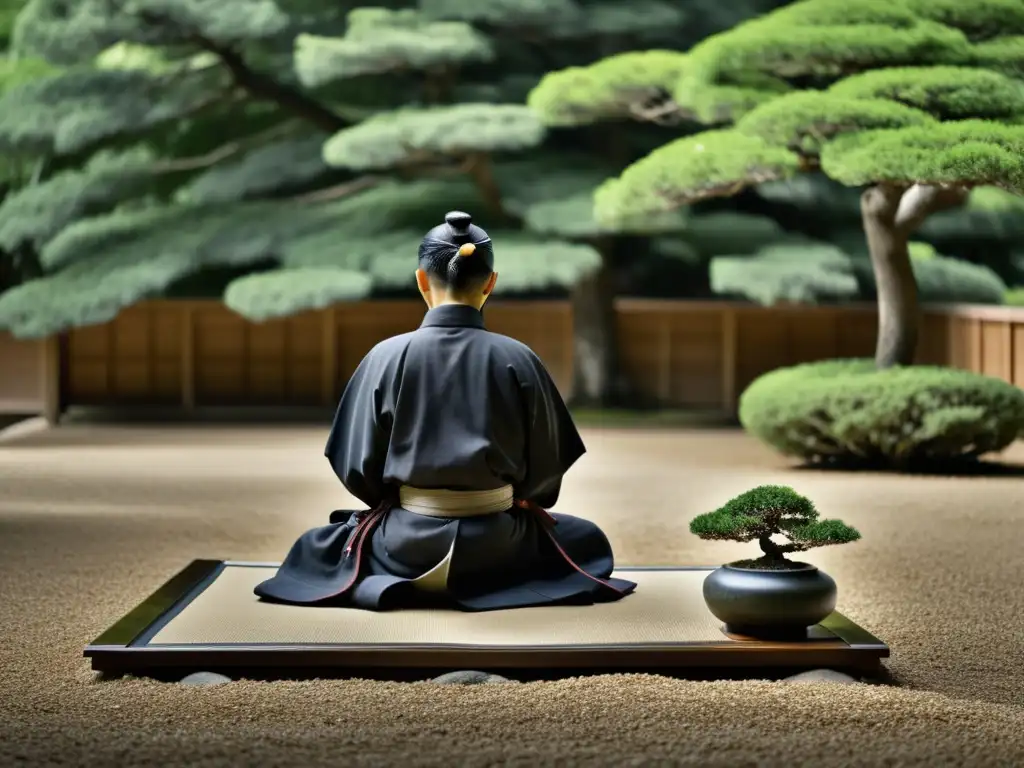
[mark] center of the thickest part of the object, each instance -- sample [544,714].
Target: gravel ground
[93,518]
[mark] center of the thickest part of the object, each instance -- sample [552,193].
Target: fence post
[1008,344]
[188,358]
[665,378]
[569,348]
[730,339]
[50,368]
[977,359]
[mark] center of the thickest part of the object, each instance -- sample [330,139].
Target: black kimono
[451,406]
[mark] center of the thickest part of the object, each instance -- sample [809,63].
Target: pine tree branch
[266,88]
[339,190]
[198,162]
[257,84]
[921,201]
[665,113]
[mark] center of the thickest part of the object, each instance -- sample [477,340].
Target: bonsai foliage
[772,510]
[919,101]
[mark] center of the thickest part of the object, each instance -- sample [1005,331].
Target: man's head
[456,263]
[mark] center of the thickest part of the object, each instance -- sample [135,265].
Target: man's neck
[449,301]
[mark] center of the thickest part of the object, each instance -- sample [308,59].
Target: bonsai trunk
[597,377]
[773,552]
[891,214]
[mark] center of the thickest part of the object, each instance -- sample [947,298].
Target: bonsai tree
[772,510]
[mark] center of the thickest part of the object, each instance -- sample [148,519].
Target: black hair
[457,254]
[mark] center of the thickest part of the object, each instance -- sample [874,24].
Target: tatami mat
[667,607]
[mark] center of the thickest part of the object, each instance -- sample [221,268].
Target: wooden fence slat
[188,358]
[329,356]
[730,339]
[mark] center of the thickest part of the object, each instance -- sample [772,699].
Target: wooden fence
[683,354]
[203,354]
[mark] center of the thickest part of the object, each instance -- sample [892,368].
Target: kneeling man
[457,440]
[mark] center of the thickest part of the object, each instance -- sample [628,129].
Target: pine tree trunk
[898,308]
[482,173]
[597,379]
[891,214]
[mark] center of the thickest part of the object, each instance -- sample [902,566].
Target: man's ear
[423,283]
[491,281]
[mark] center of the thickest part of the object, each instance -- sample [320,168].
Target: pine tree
[621,102]
[15,265]
[916,101]
[299,147]
[289,154]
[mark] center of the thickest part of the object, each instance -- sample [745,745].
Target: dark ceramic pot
[777,603]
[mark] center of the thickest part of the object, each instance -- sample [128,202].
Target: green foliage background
[286,154]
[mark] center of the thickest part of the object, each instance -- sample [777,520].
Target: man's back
[460,404]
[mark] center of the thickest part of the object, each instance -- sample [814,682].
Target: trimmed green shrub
[849,413]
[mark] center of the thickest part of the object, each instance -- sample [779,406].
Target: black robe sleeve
[553,444]
[358,443]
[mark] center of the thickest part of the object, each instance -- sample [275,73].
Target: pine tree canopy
[617,87]
[159,140]
[711,164]
[810,274]
[991,214]
[553,193]
[265,295]
[289,164]
[817,195]
[75,110]
[822,273]
[636,18]
[733,233]
[380,40]
[871,91]
[504,13]
[36,213]
[562,19]
[101,264]
[409,136]
[69,33]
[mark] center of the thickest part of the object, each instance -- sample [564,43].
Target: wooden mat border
[124,648]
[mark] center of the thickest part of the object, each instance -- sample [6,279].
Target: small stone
[821,676]
[204,678]
[469,677]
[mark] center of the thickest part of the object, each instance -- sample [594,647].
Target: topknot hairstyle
[458,254]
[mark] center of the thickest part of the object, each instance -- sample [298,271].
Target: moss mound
[848,413]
